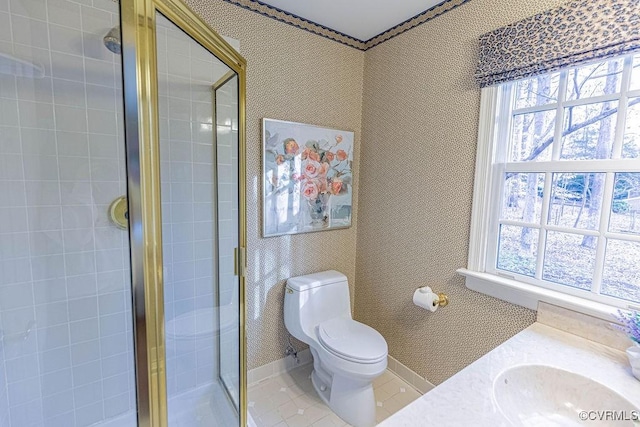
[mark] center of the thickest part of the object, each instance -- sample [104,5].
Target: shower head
[112,40]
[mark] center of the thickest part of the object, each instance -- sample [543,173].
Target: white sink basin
[543,396]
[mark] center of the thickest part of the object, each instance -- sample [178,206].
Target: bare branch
[595,119]
[615,73]
[579,87]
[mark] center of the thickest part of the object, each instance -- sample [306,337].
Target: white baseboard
[278,366]
[288,363]
[410,377]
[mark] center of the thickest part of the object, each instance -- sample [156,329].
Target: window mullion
[592,100]
[616,152]
[557,136]
[534,109]
[633,93]
[605,214]
[628,237]
[608,165]
[556,147]
[609,184]
[542,237]
[568,103]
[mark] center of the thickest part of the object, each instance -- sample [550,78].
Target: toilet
[347,355]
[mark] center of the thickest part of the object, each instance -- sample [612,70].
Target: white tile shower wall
[65,311]
[186,73]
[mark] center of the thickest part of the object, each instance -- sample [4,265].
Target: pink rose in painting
[336,186]
[297,177]
[338,139]
[341,155]
[311,169]
[322,185]
[291,146]
[305,153]
[310,190]
[329,156]
[280,159]
[314,156]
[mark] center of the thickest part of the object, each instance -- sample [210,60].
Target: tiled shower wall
[65,321]
[64,284]
[187,73]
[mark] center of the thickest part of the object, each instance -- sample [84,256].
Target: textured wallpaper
[420,124]
[419,117]
[297,76]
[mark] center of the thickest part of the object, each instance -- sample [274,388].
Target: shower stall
[122,227]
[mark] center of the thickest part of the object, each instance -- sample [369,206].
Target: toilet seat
[353,341]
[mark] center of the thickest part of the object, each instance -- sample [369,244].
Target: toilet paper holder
[443,300]
[424,297]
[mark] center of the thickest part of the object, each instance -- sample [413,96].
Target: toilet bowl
[347,355]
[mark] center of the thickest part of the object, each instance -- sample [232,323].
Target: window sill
[529,296]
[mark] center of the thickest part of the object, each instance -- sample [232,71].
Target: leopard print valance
[578,32]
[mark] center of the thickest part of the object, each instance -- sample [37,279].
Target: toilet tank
[310,300]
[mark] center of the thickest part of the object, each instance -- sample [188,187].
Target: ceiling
[361,19]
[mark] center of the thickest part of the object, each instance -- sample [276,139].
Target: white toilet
[347,355]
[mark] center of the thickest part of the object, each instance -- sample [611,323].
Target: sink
[544,396]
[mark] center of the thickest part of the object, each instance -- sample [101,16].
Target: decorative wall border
[419,19]
[299,22]
[304,24]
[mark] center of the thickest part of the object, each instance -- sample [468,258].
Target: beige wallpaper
[420,125]
[298,76]
[419,117]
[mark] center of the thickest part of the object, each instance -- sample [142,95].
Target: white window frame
[481,274]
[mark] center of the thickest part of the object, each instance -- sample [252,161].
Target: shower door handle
[240,261]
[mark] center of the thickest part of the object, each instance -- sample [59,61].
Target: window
[557,195]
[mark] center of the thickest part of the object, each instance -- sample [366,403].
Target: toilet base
[350,399]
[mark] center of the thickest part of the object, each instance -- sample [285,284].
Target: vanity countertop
[466,399]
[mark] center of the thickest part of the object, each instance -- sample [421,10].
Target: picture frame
[307,178]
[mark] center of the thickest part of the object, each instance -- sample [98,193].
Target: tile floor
[289,400]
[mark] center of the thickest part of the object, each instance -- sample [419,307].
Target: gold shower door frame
[138,23]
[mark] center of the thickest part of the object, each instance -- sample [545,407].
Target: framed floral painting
[307,178]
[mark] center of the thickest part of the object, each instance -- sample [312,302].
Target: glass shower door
[199,188]
[226,119]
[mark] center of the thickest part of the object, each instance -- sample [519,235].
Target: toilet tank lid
[310,281]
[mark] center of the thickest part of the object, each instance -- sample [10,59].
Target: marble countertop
[466,399]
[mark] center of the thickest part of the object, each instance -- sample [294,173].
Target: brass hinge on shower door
[240,261]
